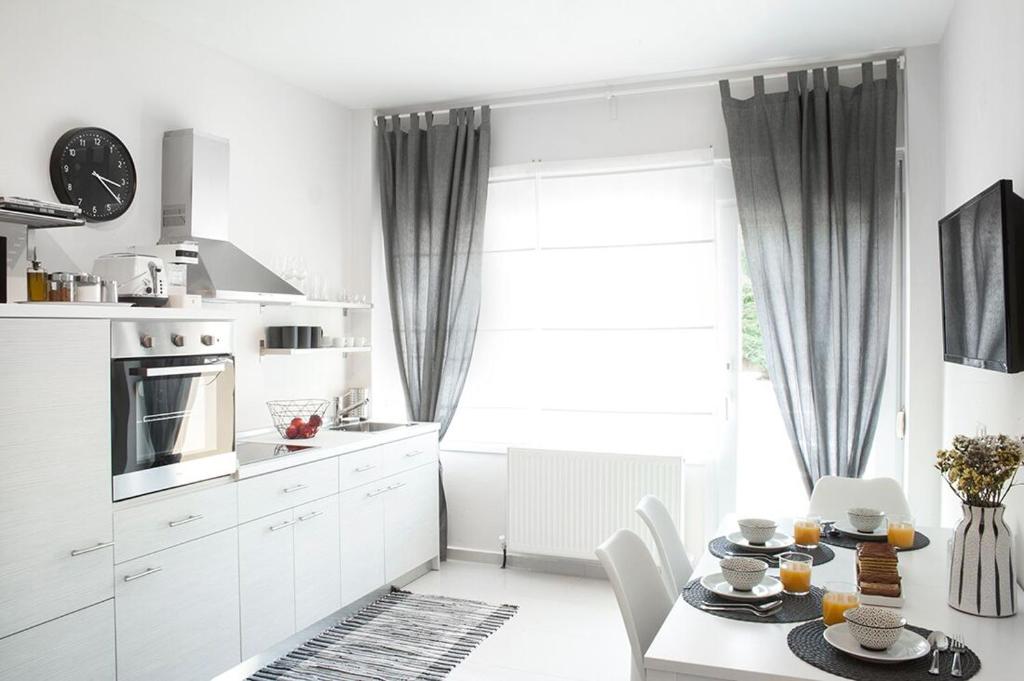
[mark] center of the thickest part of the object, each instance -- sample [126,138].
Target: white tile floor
[567,628]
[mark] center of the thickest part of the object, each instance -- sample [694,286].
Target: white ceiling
[388,53]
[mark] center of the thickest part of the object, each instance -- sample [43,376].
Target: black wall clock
[92,169]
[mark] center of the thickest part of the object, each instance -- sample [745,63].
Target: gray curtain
[433,194]
[814,169]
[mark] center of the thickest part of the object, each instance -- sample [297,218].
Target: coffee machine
[177,257]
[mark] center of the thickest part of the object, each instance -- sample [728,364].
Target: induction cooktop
[253,452]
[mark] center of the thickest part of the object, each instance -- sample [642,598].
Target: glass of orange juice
[795,572]
[839,597]
[807,532]
[901,531]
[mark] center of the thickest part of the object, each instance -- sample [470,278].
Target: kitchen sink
[368,426]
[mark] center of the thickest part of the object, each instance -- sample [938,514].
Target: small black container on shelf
[316,336]
[273,336]
[289,336]
[303,336]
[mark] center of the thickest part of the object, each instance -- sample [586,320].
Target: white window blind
[598,325]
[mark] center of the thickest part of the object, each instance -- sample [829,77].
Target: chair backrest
[675,564]
[833,496]
[641,594]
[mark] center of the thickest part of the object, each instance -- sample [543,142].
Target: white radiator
[566,503]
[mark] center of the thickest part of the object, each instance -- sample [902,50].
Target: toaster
[141,279]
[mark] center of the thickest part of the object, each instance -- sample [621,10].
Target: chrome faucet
[341,412]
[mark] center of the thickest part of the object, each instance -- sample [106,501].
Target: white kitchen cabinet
[55,502]
[74,647]
[177,611]
[317,561]
[266,550]
[143,526]
[362,540]
[273,492]
[410,520]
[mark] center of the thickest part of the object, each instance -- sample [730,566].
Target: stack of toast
[878,572]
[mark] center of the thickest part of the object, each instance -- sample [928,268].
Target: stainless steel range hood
[195,208]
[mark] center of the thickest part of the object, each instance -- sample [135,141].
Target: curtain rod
[643,88]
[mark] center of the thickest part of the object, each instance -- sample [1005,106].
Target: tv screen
[980,298]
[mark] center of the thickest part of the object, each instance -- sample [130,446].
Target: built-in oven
[172,392]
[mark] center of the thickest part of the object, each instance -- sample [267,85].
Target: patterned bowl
[875,628]
[757,530]
[743,574]
[865,519]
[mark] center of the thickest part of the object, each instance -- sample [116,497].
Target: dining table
[693,645]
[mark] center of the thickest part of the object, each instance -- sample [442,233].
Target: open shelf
[34,221]
[313,351]
[329,304]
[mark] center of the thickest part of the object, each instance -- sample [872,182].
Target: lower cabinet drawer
[76,647]
[143,528]
[177,611]
[285,489]
[361,467]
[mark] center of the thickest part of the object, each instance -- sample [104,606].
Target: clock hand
[104,181]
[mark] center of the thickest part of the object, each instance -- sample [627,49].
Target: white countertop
[86,311]
[698,644]
[326,444]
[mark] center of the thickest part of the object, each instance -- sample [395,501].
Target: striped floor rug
[400,637]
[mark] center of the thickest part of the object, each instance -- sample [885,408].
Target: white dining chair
[675,564]
[833,496]
[641,594]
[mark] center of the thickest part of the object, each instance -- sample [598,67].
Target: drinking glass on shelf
[361,341]
[901,531]
[839,597]
[807,532]
[795,572]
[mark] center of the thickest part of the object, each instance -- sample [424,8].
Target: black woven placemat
[807,643]
[794,608]
[847,542]
[719,545]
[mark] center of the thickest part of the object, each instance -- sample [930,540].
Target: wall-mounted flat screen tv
[982,273]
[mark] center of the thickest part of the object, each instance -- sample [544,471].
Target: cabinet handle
[295,488]
[144,573]
[396,486]
[102,545]
[363,469]
[185,521]
[415,453]
[310,516]
[377,491]
[281,526]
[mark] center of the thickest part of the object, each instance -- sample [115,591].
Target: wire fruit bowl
[297,419]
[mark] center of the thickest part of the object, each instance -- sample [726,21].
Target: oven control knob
[146,341]
[178,340]
[207,339]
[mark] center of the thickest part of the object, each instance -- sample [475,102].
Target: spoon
[940,644]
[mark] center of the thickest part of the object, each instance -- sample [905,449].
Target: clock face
[92,169]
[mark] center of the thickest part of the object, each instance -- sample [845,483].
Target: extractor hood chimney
[195,208]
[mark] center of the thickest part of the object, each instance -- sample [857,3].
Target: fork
[755,613]
[958,647]
[766,557]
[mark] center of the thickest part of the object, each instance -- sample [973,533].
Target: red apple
[315,420]
[291,432]
[298,422]
[308,431]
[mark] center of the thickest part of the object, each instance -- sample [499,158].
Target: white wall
[982,109]
[67,64]
[923,304]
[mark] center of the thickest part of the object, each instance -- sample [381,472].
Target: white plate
[769,586]
[909,646]
[844,527]
[777,544]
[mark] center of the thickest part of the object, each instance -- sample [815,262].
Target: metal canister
[88,288]
[62,286]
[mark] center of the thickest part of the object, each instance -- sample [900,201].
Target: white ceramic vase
[981,569]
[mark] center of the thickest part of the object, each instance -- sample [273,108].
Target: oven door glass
[171,411]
